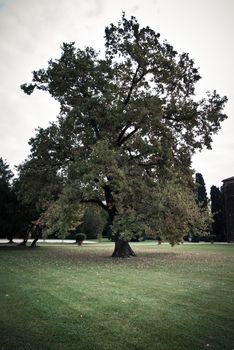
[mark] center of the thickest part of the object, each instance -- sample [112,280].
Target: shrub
[211,238]
[196,239]
[80,237]
[159,239]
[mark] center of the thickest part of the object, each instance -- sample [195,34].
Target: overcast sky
[32,32]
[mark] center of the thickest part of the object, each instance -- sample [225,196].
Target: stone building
[228,190]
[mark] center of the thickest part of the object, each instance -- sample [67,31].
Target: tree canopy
[128,126]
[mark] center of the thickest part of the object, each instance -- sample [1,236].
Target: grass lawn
[70,297]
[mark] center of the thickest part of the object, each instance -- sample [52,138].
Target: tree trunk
[122,249]
[37,235]
[10,236]
[24,242]
[25,239]
[26,235]
[34,243]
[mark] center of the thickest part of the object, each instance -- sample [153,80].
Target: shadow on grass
[6,246]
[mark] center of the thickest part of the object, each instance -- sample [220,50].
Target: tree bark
[24,242]
[34,243]
[26,235]
[37,235]
[122,249]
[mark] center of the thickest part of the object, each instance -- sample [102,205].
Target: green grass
[69,297]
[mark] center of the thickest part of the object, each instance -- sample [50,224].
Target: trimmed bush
[80,237]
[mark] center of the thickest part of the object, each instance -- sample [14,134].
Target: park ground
[69,297]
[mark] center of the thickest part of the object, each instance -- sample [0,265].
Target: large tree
[128,126]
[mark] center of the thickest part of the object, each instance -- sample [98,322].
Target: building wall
[228,188]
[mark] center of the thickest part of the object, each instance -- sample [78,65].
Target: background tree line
[217,229]
[16,216]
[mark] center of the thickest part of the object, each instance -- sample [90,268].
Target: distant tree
[217,209]
[127,129]
[5,173]
[94,222]
[15,215]
[201,193]
[7,202]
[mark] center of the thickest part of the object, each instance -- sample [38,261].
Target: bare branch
[122,134]
[135,81]
[128,136]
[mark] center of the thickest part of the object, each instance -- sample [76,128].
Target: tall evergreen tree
[202,198]
[14,215]
[94,222]
[217,209]
[7,201]
[127,129]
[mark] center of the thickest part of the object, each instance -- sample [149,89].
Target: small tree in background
[14,216]
[94,222]
[217,209]
[7,202]
[202,202]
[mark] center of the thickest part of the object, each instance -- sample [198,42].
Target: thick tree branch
[122,134]
[131,87]
[125,138]
[110,203]
[135,81]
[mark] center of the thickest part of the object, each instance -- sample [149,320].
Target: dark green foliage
[7,202]
[195,239]
[217,209]
[127,129]
[80,237]
[202,198]
[38,184]
[94,222]
[202,202]
[15,216]
[5,173]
